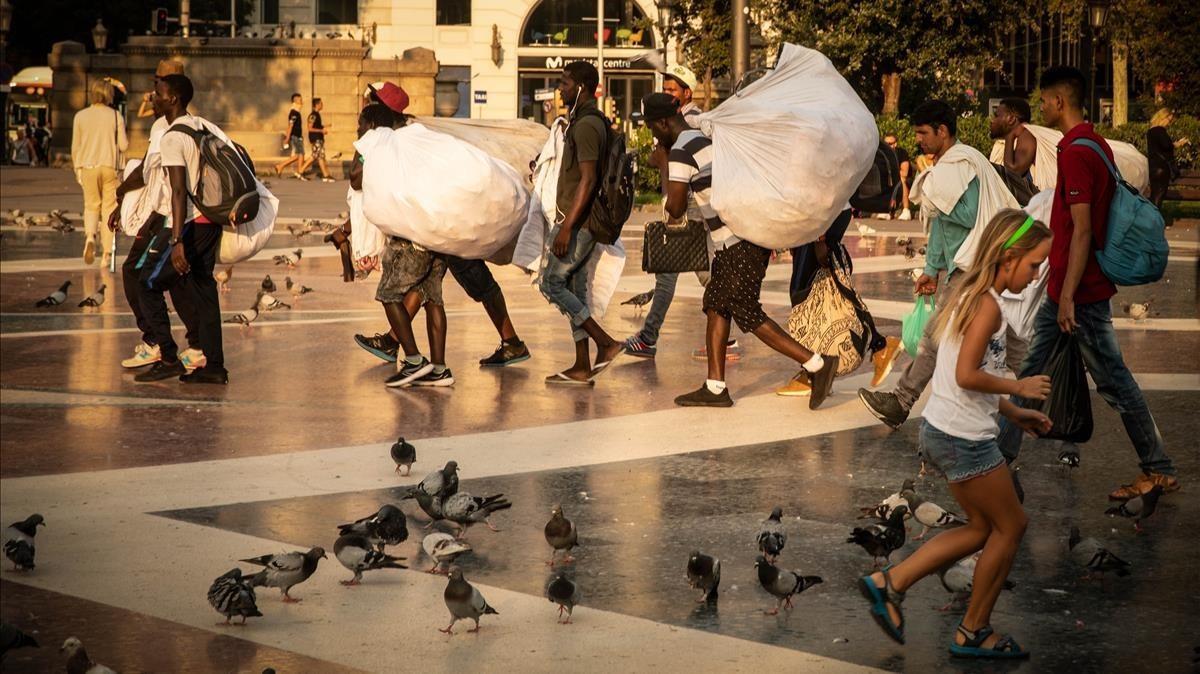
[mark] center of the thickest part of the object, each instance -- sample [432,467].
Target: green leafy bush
[646,179]
[1134,133]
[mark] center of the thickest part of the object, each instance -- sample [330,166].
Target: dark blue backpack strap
[1095,147]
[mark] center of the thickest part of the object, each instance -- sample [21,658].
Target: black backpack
[875,193]
[615,193]
[226,192]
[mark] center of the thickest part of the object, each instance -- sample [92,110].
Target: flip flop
[601,367]
[560,379]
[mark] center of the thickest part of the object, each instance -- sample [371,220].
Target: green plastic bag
[912,326]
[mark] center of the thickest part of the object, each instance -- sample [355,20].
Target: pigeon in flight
[564,592]
[290,260]
[268,286]
[881,539]
[95,299]
[268,302]
[464,601]
[387,526]
[704,573]
[18,541]
[465,510]
[781,583]
[404,454]
[12,638]
[357,553]
[55,298]
[930,514]
[1091,555]
[78,661]
[771,536]
[231,595]
[561,535]
[286,570]
[1139,507]
[443,549]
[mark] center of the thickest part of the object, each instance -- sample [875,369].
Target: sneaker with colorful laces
[636,346]
[192,359]
[143,354]
[1143,484]
[798,386]
[733,352]
[382,346]
[884,360]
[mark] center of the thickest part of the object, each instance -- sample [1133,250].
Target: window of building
[335,11]
[269,11]
[561,23]
[453,12]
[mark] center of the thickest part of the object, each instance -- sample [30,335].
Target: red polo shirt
[1083,178]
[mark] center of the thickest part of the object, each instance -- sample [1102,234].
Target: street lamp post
[99,36]
[666,11]
[741,40]
[1097,17]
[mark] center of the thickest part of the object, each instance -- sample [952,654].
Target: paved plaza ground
[149,491]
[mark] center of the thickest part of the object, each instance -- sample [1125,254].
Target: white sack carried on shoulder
[515,142]
[138,205]
[1132,164]
[365,238]
[531,243]
[440,192]
[247,239]
[789,150]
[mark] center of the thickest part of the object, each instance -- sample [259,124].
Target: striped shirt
[691,163]
[691,115]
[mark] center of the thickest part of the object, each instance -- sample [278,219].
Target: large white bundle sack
[440,192]
[515,142]
[246,240]
[1132,164]
[789,150]
[366,240]
[138,205]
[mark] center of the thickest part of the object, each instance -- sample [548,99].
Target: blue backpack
[1136,250]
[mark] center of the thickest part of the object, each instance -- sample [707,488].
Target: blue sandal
[1006,647]
[880,598]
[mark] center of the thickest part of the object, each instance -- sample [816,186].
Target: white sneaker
[192,359]
[883,216]
[905,215]
[143,354]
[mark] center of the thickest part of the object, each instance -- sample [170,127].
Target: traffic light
[158,21]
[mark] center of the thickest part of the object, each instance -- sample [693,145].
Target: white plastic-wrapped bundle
[440,192]
[1132,164]
[247,239]
[138,205]
[789,150]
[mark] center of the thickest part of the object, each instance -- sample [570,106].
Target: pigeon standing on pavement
[640,300]
[246,317]
[1139,507]
[561,535]
[55,298]
[429,504]
[222,276]
[268,286]
[1091,555]
[95,299]
[929,514]
[285,570]
[883,510]
[564,592]
[231,594]
[443,549]
[268,302]
[290,260]
[443,482]
[781,583]
[295,289]
[357,553]
[12,638]
[78,661]
[387,526]
[464,601]
[404,454]
[771,536]
[959,579]
[465,510]
[704,573]
[18,541]
[881,539]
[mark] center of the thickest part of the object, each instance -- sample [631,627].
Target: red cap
[392,96]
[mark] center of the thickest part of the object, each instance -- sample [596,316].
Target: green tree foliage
[1164,42]
[703,31]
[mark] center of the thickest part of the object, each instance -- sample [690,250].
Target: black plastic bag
[1069,404]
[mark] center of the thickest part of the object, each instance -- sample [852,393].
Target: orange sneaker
[883,361]
[797,387]
[1143,484]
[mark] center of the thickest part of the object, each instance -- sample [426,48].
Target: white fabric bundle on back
[515,142]
[138,205]
[440,192]
[1132,164]
[789,150]
[248,239]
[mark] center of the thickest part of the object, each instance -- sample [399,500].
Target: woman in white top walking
[97,141]
[958,439]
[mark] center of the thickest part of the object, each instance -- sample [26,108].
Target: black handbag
[675,248]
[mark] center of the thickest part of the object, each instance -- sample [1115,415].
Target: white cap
[687,77]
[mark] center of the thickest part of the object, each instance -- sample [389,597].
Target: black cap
[658,106]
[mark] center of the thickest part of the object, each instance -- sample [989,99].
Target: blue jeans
[958,459]
[564,280]
[1114,381]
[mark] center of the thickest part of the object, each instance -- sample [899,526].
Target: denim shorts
[956,458]
[296,143]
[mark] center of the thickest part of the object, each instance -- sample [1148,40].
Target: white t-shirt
[179,149]
[157,189]
[955,411]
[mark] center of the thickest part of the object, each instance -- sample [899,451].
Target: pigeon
[356,552]
[564,592]
[12,638]
[903,241]
[443,549]
[883,510]
[246,317]
[58,215]
[268,286]
[443,482]
[704,573]
[299,232]
[55,298]
[231,595]
[1138,311]
[62,226]
[465,510]
[295,288]
[222,276]
[18,541]
[464,601]
[95,299]
[404,454]
[561,535]
[22,221]
[288,260]
[640,300]
[285,570]
[882,539]
[429,504]
[78,661]
[387,526]
[930,514]
[1089,554]
[1068,456]
[1138,507]
[267,302]
[16,212]
[783,584]
[772,537]
[959,579]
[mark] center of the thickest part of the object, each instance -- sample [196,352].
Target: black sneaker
[409,372]
[702,397]
[206,375]
[885,406]
[822,382]
[160,371]
[507,354]
[435,378]
[381,346]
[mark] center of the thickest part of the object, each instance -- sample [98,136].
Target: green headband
[1019,233]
